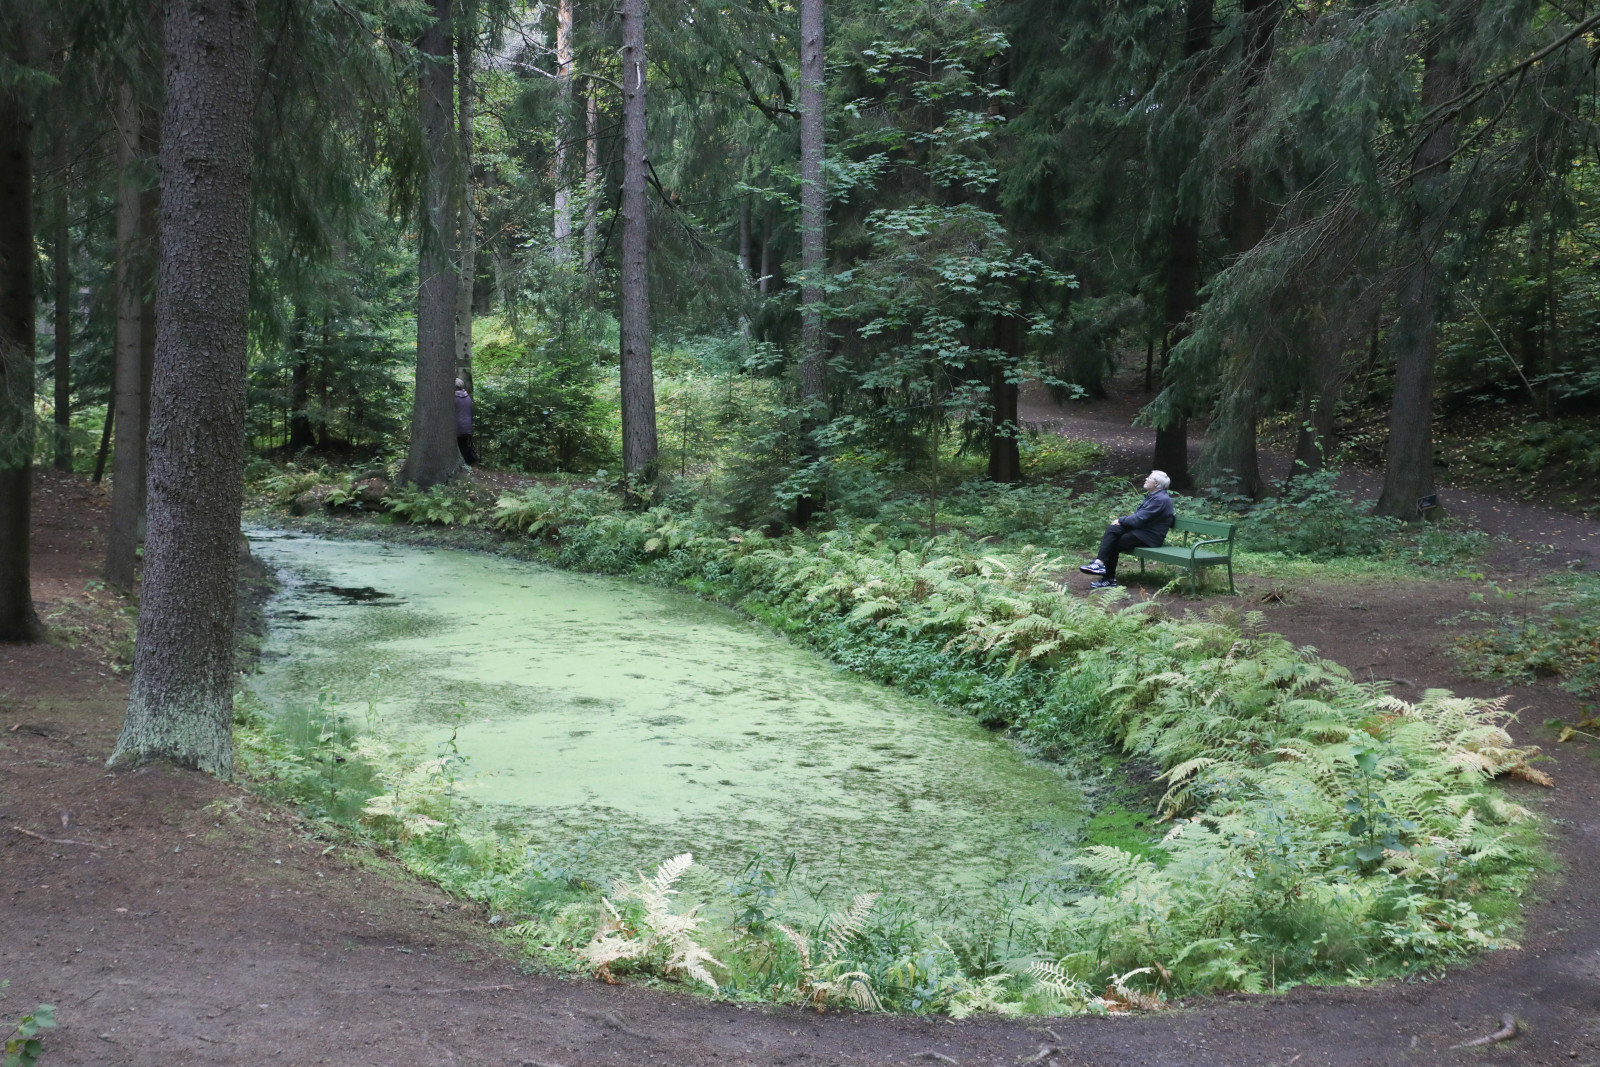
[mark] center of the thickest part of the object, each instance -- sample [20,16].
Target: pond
[595,709]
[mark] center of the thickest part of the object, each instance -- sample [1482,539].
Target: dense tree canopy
[875,220]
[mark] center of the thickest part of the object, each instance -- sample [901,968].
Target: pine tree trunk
[181,704]
[744,237]
[1248,218]
[562,228]
[1182,297]
[18,621]
[638,378]
[766,252]
[1005,461]
[467,226]
[433,457]
[61,257]
[132,284]
[813,254]
[300,429]
[1247,225]
[1318,398]
[1408,473]
[1182,272]
[105,434]
[591,177]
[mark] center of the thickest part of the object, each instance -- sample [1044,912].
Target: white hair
[1162,481]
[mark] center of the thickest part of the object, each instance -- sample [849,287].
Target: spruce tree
[181,704]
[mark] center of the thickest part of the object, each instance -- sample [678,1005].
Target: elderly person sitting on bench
[1146,528]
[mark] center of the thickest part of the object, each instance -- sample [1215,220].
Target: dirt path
[1544,536]
[173,919]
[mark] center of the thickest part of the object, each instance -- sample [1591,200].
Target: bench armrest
[1214,541]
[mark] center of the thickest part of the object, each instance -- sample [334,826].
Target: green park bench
[1194,554]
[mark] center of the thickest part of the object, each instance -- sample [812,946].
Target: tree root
[1507,1031]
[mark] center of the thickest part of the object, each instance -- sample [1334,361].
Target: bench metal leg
[1231,590]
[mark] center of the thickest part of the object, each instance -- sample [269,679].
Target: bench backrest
[1204,529]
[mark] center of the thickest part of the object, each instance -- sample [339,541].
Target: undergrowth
[1312,828]
[1539,633]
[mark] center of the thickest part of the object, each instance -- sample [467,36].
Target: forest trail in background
[1547,537]
[196,924]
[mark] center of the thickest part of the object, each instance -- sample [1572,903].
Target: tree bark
[132,287]
[433,456]
[744,237]
[562,228]
[181,704]
[301,435]
[1005,460]
[813,253]
[1318,397]
[1182,297]
[61,262]
[467,226]
[591,177]
[105,435]
[1408,473]
[1182,279]
[638,378]
[766,252]
[18,620]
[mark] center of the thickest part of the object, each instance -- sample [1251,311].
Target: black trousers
[1114,544]
[469,455]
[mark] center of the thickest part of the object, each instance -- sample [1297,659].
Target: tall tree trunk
[1181,299]
[813,253]
[638,378]
[766,251]
[1247,224]
[1248,217]
[1318,397]
[433,456]
[1005,461]
[1408,474]
[61,257]
[744,237]
[562,228]
[467,225]
[132,286]
[181,704]
[105,435]
[591,176]
[1182,272]
[18,621]
[301,435]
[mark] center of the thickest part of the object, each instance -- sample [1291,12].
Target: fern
[645,930]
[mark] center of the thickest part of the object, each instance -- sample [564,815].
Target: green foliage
[538,402]
[1558,638]
[442,505]
[23,1045]
[1315,518]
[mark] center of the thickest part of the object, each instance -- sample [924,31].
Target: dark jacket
[463,413]
[1151,520]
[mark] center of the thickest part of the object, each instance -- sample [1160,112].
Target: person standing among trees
[469,455]
[1146,528]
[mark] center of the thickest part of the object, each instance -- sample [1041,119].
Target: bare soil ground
[269,946]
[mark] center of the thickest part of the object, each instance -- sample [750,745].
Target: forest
[840,314]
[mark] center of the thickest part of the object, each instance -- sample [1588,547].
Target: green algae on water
[585,703]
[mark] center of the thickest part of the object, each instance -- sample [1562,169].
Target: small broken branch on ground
[55,840]
[1507,1031]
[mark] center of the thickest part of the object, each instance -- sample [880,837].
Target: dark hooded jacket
[463,413]
[1151,520]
